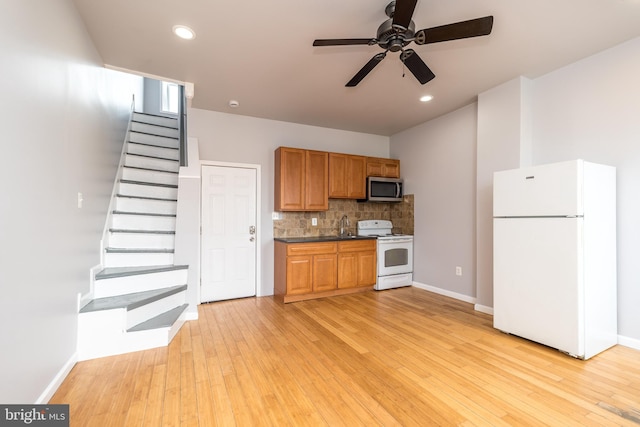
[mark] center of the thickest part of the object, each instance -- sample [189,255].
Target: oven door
[395,255]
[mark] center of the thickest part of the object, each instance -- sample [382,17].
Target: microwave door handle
[397,190]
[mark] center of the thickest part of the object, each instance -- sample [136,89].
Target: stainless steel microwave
[384,189]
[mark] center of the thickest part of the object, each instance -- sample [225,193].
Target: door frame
[257,168]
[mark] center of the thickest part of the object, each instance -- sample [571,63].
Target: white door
[228,233]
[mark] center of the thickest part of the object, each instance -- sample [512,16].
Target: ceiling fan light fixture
[184,32]
[426,98]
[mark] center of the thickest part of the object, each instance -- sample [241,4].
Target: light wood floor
[399,357]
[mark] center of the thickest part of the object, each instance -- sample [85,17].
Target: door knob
[252,239]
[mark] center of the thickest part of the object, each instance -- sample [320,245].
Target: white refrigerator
[554,256]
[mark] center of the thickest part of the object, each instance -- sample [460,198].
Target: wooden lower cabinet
[313,270]
[356,264]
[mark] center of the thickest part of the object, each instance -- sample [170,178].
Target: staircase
[139,297]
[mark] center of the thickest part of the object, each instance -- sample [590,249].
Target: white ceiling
[260,52]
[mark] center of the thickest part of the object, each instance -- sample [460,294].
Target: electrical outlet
[314,222]
[276,215]
[458,271]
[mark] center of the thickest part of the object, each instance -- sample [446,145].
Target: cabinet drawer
[357,246]
[311,248]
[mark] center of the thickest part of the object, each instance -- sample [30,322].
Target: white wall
[591,110]
[504,142]
[438,164]
[63,119]
[240,139]
[587,110]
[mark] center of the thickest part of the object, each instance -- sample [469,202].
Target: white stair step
[154,129]
[156,120]
[140,205]
[131,301]
[160,141]
[97,336]
[138,189]
[132,239]
[153,151]
[115,258]
[145,162]
[147,312]
[132,221]
[120,281]
[151,176]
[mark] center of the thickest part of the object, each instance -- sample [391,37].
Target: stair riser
[149,311]
[149,163]
[112,259]
[141,241]
[138,283]
[141,222]
[154,130]
[160,141]
[155,120]
[145,206]
[148,150]
[138,190]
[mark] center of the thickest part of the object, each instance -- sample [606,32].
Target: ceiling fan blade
[417,66]
[403,13]
[459,30]
[342,42]
[366,69]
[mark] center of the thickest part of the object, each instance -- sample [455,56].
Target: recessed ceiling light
[184,32]
[426,98]
[234,104]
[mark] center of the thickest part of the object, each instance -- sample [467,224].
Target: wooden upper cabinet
[388,168]
[317,181]
[347,176]
[301,180]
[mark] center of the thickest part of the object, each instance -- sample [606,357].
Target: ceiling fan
[399,30]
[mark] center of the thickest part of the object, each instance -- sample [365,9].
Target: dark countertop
[315,239]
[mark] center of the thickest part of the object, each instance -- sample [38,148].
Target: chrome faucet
[344,222]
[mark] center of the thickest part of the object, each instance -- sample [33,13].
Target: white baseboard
[191,316]
[50,390]
[483,309]
[455,295]
[629,342]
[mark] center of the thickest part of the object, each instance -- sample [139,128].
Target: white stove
[395,254]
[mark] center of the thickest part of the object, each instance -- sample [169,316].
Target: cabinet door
[347,176]
[324,272]
[356,177]
[348,270]
[367,268]
[338,176]
[299,275]
[317,181]
[391,168]
[289,186]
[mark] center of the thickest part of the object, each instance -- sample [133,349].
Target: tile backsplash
[298,224]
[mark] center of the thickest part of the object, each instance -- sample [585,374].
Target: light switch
[80,200]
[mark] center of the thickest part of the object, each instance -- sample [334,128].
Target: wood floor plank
[401,357]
